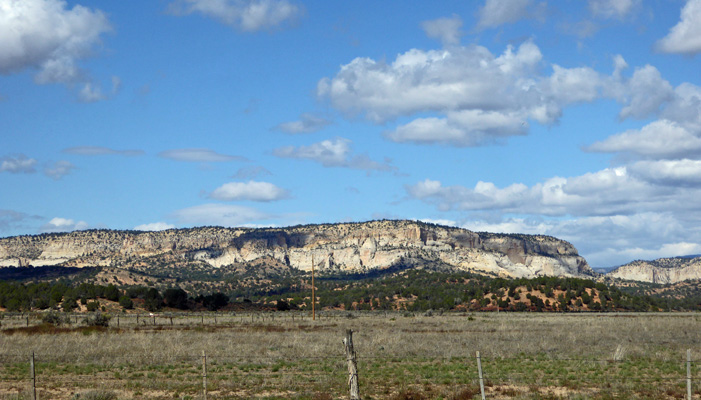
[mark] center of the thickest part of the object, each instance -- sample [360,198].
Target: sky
[575,119]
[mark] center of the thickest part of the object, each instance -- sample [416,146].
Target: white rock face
[333,247]
[663,270]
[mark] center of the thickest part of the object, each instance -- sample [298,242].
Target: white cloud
[59,169]
[219,215]
[646,92]
[154,226]
[333,153]
[17,164]
[99,151]
[251,190]
[46,36]
[447,30]
[461,128]
[198,155]
[500,12]
[471,96]
[658,139]
[685,107]
[606,241]
[246,15]
[610,191]
[307,123]
[669,172]
[612,8]
[63,225]
[685,36]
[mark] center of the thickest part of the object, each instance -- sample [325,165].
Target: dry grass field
[400,356]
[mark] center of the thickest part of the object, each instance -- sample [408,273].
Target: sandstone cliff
[334,247]
[663,270]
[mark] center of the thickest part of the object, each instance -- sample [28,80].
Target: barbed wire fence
[220,375]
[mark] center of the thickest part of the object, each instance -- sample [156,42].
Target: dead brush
[466,393]
[408,394]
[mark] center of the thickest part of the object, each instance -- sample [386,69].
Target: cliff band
[347,247]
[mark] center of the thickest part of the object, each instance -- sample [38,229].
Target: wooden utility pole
[352,366]
[313,292]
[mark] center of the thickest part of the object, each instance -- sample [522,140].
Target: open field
[400,356]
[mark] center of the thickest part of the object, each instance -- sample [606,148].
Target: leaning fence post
[352,366]
[479,372]
[33,376]
[688,374]
[204,374]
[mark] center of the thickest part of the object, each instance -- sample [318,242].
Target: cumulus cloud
[49,38]
[461,128]
[658,139]
[447,30]
[645,93]
[198,155]
[19,164]
[500,12]
[669,172]
[612,8]
[251,190]
[219,215]
[685,36]
[63,225]
[471,96]
[307,123]
[610,191]
[154,226]
[245,15]
[607,241]
[333,153]
[250,172]
[59,169]
[99,151]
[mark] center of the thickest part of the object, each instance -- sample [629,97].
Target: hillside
[663,270]
[348,247]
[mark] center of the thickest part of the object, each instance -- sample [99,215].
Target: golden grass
[525,355]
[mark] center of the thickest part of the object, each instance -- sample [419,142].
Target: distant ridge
[338,247]
[661,270]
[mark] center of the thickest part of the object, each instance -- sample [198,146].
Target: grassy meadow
[401,355]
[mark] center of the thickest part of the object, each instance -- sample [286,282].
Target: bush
[97,319]
[176,298]
[55,318]
[92,306]
[126,302]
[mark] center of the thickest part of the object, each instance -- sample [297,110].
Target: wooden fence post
[33,376]
[352,366]
[204,374]
[688,374]
[479,372]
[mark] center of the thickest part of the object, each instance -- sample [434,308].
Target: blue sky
[576,119]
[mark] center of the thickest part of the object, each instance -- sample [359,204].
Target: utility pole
[313,292]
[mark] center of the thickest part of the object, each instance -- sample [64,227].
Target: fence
[47,371]
[234,377]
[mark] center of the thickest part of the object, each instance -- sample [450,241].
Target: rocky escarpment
[663,270]
[332,247]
